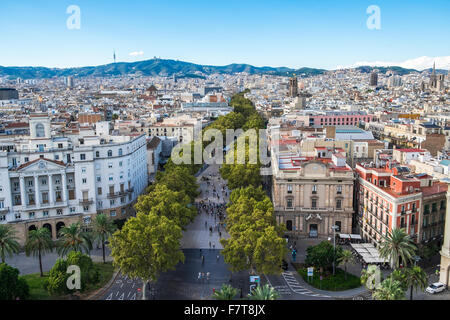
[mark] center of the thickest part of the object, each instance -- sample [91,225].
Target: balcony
[119,193]
[113,195]
[4,210]
[86,202]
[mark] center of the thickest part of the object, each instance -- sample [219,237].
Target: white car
[436,287]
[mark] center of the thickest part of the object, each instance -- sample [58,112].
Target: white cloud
[420,63]
[137,53]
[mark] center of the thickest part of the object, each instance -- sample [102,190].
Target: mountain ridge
[167,67]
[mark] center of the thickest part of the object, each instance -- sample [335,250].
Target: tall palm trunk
[40,262]
[103,250]
[411,294]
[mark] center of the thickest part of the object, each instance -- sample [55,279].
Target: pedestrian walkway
[197,234]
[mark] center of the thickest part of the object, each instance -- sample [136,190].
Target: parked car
[436,287]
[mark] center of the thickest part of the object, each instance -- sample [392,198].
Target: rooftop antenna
[114,55]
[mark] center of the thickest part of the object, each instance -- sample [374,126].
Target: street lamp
[334,246]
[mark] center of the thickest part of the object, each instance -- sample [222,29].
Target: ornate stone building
[311,194]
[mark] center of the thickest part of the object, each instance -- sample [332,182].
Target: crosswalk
[283,290]
[297,288]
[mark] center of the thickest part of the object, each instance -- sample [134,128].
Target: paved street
[27,265]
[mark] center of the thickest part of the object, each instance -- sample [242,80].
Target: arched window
[40,130]
[120,151]
[109,153]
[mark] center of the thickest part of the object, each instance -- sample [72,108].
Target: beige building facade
[312,197]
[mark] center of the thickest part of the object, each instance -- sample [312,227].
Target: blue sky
[291,33]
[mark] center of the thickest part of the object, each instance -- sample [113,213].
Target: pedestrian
[218,257]
[203,259]
[207,276]
[210,244]
[214,245]
[220,234]
[199,276]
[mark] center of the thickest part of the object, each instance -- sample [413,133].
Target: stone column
[23,197]
[445,252]
[64,186]
[36,191]
[51,191]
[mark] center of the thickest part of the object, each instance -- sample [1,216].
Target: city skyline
[217,34]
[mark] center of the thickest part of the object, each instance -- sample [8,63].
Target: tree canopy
[147,245]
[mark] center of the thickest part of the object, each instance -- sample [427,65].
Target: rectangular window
[82,156]
[289,203]
[84,180]
[289,188]
[313,203]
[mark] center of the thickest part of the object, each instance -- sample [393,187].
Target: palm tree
[265,292]
[416,278]
[73,238]
[389,290]
[227,292]
[397,246]
[346,258]
[103,227]
[8,241]
[39,242]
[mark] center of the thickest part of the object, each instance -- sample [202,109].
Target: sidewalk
[196,235]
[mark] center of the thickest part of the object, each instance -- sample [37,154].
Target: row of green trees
[244,174]
[256,241]
[149,244]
